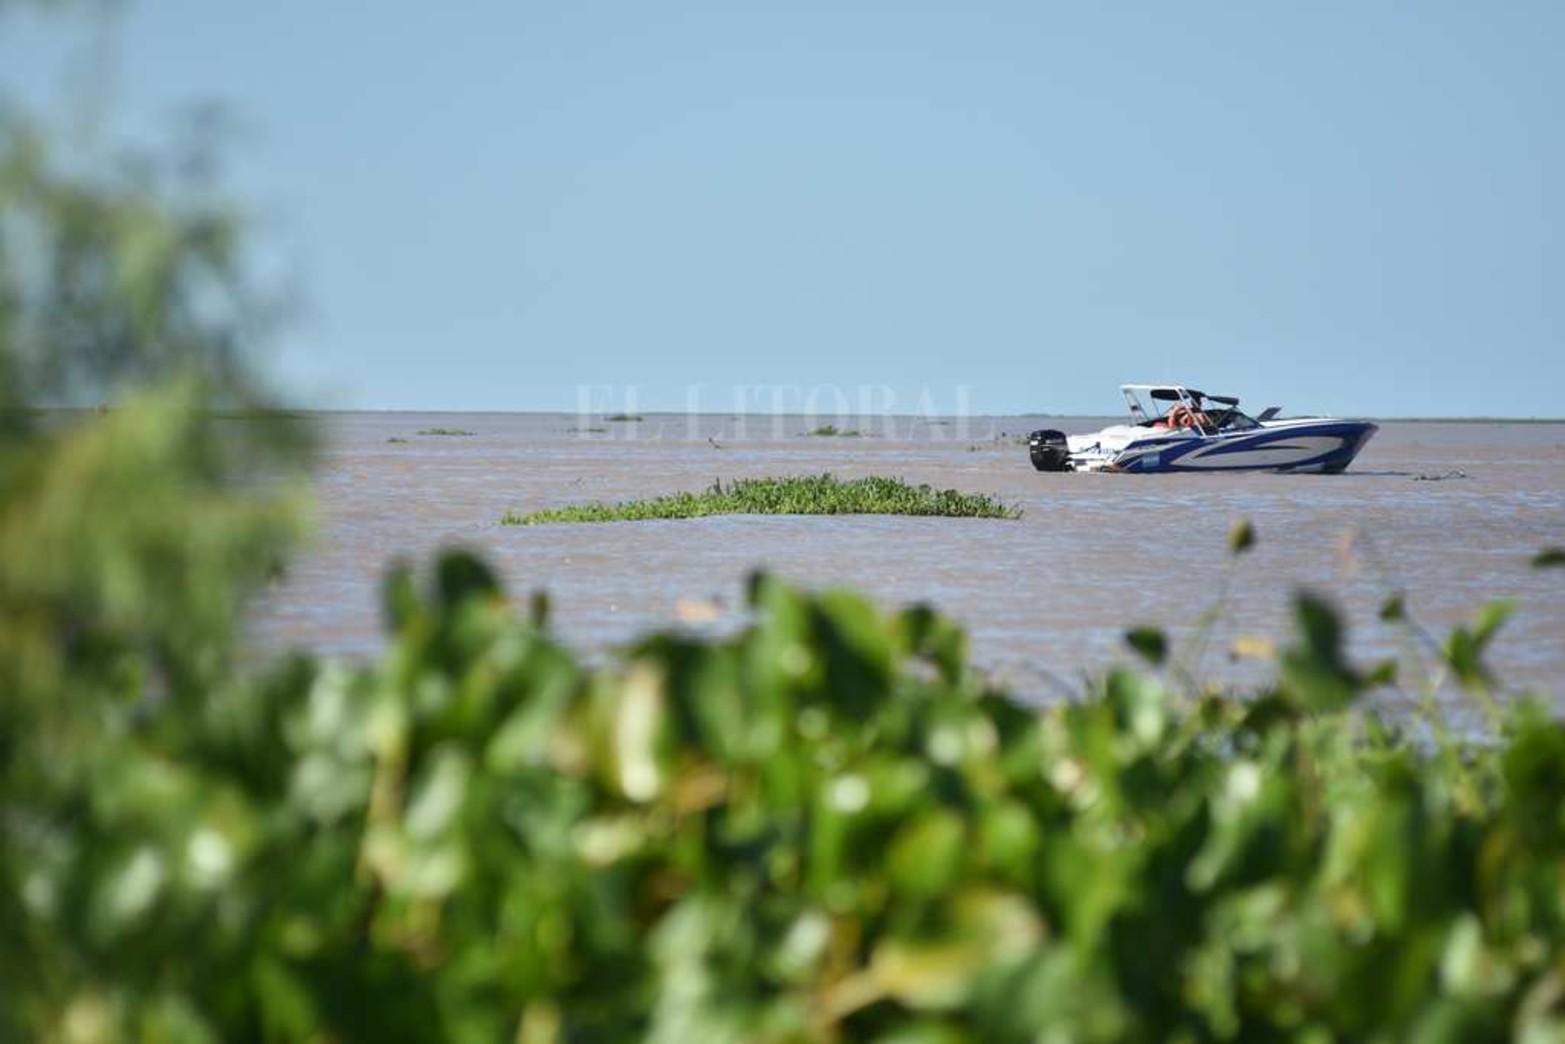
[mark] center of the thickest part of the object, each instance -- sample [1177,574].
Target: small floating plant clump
[444,431]
[831,431]
[624,418]
[794,495]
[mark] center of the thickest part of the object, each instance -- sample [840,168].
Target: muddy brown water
[1449,513]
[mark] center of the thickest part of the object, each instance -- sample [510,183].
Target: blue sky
[1348,207]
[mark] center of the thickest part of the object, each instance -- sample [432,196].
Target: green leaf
[460,575]
[285,1006]
[439,792]
[1150,642]
[1491,617]
[932,975]
[1314,671]
[1241,537]
[539,606]
[1383,673]
[399,598]
[637,733]
[937,638]
[1465,647]
[926,855]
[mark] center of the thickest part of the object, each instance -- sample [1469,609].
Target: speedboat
[1179,428]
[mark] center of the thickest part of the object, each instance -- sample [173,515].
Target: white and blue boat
[1180,429]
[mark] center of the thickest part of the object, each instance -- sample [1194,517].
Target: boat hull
[1321,447]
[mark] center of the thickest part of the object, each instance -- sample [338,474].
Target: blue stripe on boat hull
[1328,447]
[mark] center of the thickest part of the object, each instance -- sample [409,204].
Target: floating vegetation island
[444,431]
[794,495]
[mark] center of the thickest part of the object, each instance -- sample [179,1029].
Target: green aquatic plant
[624,418]
[823,826]
[445,431]
[832,431]
[796,495]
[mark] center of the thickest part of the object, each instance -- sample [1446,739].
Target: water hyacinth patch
[799,495]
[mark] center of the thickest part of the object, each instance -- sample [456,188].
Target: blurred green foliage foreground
[824,827]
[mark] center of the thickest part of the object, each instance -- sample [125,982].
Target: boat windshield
[1150,406]
[1234,420]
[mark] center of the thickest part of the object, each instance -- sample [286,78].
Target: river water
[1449,513]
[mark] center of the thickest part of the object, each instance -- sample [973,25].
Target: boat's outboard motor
[1048,450]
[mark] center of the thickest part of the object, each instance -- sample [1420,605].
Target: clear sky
[1351,207]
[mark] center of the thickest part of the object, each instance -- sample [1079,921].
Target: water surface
[1449,513]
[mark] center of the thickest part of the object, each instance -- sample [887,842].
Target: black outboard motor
[1048,450]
